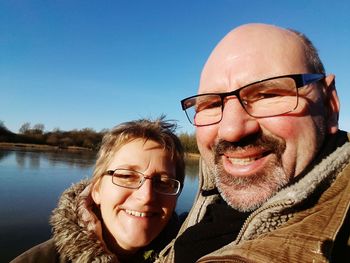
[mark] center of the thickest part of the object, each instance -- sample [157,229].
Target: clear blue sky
[92,64]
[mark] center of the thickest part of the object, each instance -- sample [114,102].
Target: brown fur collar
[76,230]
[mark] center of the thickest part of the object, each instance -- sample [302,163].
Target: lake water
[31,184]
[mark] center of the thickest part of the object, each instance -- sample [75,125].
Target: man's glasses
[133,180]
[264,98]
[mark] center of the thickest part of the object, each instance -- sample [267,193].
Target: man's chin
[248,193]
[241,199]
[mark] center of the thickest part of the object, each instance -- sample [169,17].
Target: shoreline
[50,148]
[41,147]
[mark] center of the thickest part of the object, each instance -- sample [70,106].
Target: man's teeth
[242,161]
[138,214]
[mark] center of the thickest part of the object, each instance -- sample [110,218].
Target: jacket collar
[76,229]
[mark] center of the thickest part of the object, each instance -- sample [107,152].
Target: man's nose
[236,123]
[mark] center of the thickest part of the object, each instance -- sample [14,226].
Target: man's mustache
[267,142]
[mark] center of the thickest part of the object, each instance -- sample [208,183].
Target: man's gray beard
[248,193]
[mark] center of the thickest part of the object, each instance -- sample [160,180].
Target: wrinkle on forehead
[250,53]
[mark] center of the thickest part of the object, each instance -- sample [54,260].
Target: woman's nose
[146,192]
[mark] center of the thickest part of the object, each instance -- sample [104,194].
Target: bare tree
[38,128]
[25,128]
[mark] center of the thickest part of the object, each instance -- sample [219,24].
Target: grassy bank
[41,147]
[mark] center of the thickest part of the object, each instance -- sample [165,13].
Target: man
[275,169]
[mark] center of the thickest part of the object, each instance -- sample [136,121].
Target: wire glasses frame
[134,180]
[265,98]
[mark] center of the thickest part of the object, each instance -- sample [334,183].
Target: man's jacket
[308,221]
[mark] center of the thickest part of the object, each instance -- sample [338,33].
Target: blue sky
[92,64]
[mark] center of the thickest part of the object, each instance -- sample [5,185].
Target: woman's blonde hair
[159,131]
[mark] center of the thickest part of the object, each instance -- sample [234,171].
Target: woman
[125,213]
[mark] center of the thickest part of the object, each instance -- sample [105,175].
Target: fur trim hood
[76,230]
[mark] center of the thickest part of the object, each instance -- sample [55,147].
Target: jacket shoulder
[44,252]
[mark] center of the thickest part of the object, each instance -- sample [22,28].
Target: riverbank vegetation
[84,139]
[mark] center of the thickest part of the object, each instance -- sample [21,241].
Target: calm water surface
[31,184]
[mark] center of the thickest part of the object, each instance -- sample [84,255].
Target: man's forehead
[256,42]
[245,56]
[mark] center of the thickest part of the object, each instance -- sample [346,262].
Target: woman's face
[132,218]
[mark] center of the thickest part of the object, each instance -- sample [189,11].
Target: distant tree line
[86,138]
[189,142]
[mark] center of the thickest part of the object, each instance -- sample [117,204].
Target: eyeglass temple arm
[309,78]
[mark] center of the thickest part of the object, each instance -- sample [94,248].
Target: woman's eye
[127,176]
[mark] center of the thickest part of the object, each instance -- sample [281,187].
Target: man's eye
[271,93]
[266,95]
[208,105]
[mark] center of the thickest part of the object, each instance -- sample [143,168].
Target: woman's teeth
[138,214]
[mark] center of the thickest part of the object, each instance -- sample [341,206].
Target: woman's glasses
[131,179]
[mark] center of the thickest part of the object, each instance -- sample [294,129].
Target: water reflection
[34,161]
[192,168]
[80,160]
[20,158]
[4,154]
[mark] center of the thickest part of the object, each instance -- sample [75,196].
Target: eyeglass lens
[262,99]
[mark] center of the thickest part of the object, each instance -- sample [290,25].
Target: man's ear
[95,193]
[332,104]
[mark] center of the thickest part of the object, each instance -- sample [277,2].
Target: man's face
[252,158]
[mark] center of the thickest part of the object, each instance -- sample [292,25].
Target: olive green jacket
[307,221]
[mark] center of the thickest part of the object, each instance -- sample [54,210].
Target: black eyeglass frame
[300,80]
[144,177]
